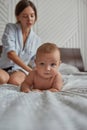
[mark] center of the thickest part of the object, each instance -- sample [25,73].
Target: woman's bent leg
[17,78]
[4,77]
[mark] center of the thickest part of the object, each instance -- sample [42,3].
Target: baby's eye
[53,65]
[42,64]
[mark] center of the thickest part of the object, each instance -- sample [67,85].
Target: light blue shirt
[12,40]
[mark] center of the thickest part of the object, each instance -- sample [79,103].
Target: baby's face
[47,64]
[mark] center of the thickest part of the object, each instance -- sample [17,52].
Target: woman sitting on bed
[19,44]
[45,76]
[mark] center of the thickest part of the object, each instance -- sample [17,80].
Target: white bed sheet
[65,110]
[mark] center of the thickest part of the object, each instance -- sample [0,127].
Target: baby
[45,75]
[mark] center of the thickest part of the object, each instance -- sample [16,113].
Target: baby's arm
[57,83]
[28,82]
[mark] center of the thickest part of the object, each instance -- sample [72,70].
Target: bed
[65,110]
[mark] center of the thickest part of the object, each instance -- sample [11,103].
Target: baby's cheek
[54,71]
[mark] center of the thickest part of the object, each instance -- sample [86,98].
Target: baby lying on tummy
[45,75]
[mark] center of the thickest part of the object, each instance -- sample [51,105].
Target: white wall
[6,13]
[82,29]
[63,22]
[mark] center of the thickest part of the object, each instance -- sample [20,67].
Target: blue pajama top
[12,40]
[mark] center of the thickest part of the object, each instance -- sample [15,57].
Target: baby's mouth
[47,73]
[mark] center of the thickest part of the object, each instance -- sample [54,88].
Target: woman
[19,44]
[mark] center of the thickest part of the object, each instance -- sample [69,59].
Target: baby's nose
[48,68]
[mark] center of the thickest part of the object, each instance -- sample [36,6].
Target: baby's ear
[60,61]
[35,60]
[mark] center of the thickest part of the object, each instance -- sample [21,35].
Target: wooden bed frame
[69,56]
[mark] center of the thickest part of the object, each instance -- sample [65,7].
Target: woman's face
[27,17]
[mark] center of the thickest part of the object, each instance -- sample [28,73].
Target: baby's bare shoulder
[32,73]
[58,76]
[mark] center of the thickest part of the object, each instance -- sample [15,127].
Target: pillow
[67,69]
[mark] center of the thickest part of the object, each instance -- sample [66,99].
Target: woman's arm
[13,56]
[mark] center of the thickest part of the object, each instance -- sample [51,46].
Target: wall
[61,21]
[82,29]
[6,13]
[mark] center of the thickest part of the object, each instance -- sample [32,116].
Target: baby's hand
[38,90]
[53,90]
[25,89]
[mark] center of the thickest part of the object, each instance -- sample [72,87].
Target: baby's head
[48,57]
[48,48]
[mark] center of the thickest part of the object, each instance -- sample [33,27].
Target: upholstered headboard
[72,56]
[0,49]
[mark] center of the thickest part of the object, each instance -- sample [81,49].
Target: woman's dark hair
[22,4]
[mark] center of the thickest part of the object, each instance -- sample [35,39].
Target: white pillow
[67,69]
